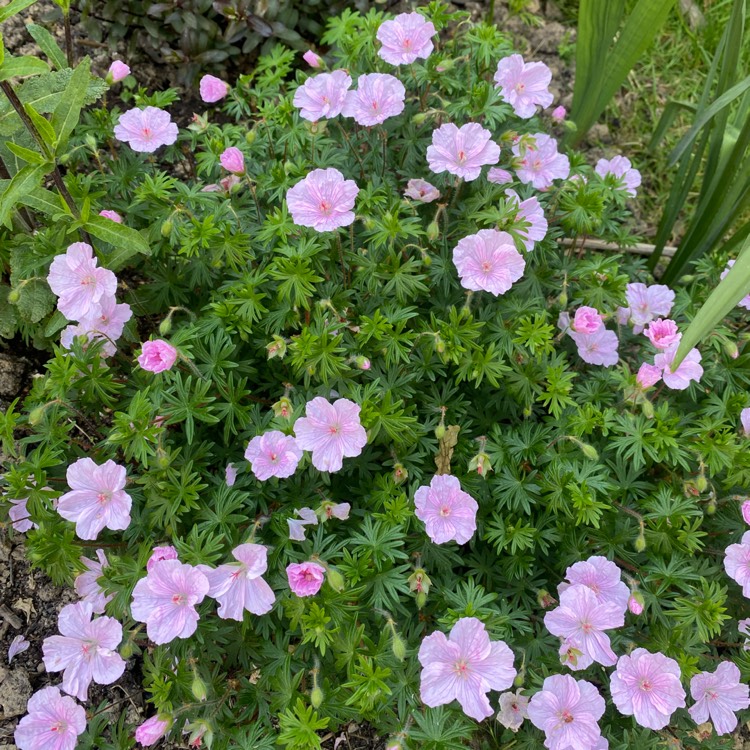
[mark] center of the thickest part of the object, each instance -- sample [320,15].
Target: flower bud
[731,349]
[400,474]
[481,464]
[421,599]
[419,118]
[711,507]
[316,697]
[563,299]
[545,599]
[363,363]
[393,744]
[433,231]
[690,489]
[165,326]
[647,408]
[127,649]
[558,113]
[233,160]
[13,296]
[701,483]
[166,228]
[336,580]
[198,688]
[439,345]
[283,408]
[519,679]
[277,348]
[446,64]
[250,137]
[419,581]
[117,71]
[36,415]
[635,603]
[398,646]
[313,60]
[589,451]
[440,431]
[640,542]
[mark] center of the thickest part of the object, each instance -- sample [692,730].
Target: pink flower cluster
[596,344]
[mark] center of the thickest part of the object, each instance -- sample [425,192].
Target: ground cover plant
[349,433]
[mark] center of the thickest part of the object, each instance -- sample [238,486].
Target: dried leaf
[445,449]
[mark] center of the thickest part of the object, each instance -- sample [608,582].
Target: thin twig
[640,248]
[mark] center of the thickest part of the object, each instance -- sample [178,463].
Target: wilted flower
[53,722]
[273,454]
[524,85]
[117,71]
[323,200]
[531,213]
[602,577]
[421,190]
[620,167]
[405,38]
[462,151]
[307,517]
[336,510]
[212,89]
[378,96]
[159,554]
[147,129]
[87,583]
[688,370]
[499,176]
[152,730]
[540,163]
[465,666]
[322,95]
[157,355]
[647,686]
[489,261]
[663,334]
[448,512]
[513,710]
[305,579]
[111,215]
[233,160]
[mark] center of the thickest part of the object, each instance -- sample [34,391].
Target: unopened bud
[13,296]
[127,649]
[277,348]
[444,65]
[690,489]
[36,415]
[647,408]
[433,231]
[731,349]
[635,603]
[563,299]
[640,542]
[165,326]
[250,137]
[166,228]
[519,679]
[363,363]
[427,260]
[419,118]
[394,744]
[711,507]
[589,451]
[545,599]
[701,483]
[283,408]
[400,474]
[336,580]
[481,464]
[440,431]
[439,345]
[198,688]
[398,646]
[162,460]
[316,697]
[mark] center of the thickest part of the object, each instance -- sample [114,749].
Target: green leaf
[14,7]
[56,323]
[127,241]
[43,125]
[35,300]
[16,67]
[48,45]
[68,111]
[733,287]
[28,155]
[23,182]
[45,201]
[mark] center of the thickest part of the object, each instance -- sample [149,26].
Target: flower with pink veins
[422,191]
[20,516]
[79,284]
[582,618]
[145,130]
[745,422]
[513,710]
[620,167]
[647,687]
[737,563]
[499,176]
[405,38]
[648,375]
[159,554]
[238,586]
[598,348]
[524,85]
[323,95]
[587,320]
[213,89]
[447,511]
[744,509]
[464,666]
[97,499]
[646,303]
[488,261]
[87,583]
[531,213]
[572,656]
[378,96]
[717,696]
[85,651]
[745,301]
[567,711]
[157,355]
[152,730]
[307,517]
[602,577]
[111,215]
[323,200]
[663,333]
[53,722]
[332,431]
[305,579]
[462,151]
[166,599]
[273,454]
[689,369]
[105,321]
[541,163]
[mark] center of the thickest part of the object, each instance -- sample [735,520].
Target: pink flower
[104,321]
[559,114]
[718,696]
[157,355]
[85,651]
[524,85]
[152,730]
[648,375]
[117,71]
[737,563]
[323,200]
[273,454]
[230,475]
[513,710]
[582,618]
[322,95]
[530,213]
[165,600]
[745,509]
[489,261]
[648,302]
[307,517]
[745,422]
[76,280]
[587,320]
[336,510]
[567,711]
[233,160]
[602,577]
[87,583]
[647,686]
[239,586]
[689,369]
[462,151]
[745,301]
[499,176]
[447,511]
[572,656]
[635,604]
[331,431]
[663,334]
[421,190]
[112,215]
[465,666]
[20,516]
[378,97]
[98,498]
[405,38]
[213,89]
[541,163]
[313,60]
[305,579]
[598,348]
[159,554]
[146,129]
[620,167]
[53,722]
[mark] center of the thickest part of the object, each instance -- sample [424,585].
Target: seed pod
[166,228]
[398,646]
[316,697]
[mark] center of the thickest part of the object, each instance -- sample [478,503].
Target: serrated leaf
[48,45]
[35,300]
[126,241]
[14,7]
[17,67]
[23,182]
[68,111]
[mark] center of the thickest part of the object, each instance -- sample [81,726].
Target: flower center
[462,157]
[587,627]
[88,280]
[60,726]
[147,134]
[712,695]
[486,266]
[566,716]
[461,669]
[646,685]
[408,43]
[103,498]
[520,87]
[445,511]
[274,457]
[536,164]
[179,599]
[334,429]
[325,207]
[375,106]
